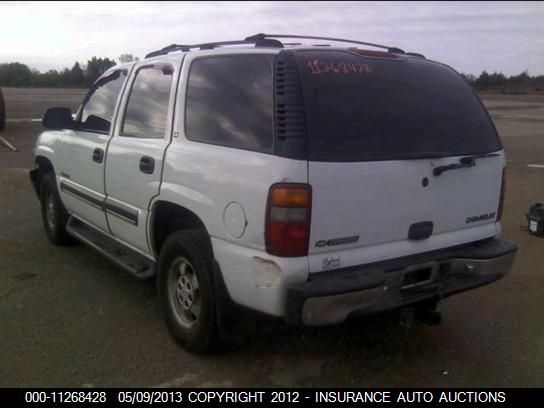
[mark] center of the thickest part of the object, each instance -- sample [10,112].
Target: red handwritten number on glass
[323,67]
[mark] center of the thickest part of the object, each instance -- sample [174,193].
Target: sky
[471,37]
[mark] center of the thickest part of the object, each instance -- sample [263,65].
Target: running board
[127,258]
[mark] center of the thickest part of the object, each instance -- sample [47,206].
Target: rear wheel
[54,215]
[186,292]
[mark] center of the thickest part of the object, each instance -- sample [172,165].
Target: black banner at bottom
[304,396]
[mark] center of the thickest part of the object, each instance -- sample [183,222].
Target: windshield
[361,109]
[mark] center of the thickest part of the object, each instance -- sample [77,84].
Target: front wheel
[186,292]
[54,215]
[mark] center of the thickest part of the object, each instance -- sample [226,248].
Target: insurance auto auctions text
[347,396]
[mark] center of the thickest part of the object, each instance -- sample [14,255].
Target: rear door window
[147,106]
[230,101]
[361,109]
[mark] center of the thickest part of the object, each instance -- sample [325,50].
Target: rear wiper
[467,161]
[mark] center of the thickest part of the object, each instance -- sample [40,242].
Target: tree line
[497,81]
[17,74]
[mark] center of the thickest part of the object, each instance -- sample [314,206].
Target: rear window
[362,109]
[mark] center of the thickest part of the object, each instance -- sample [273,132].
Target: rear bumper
[331,297]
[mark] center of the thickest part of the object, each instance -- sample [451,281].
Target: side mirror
[58,118]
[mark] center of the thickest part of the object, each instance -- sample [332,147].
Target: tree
[520,79]
[50,78]
[469,78]
[76,75]
[497,78]
[483,81]
[15,74]
[96,67]
[123,58]
[65,77]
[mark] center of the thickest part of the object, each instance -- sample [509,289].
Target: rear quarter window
[230,101]
[361,109]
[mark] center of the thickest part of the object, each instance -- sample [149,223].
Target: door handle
[147,165]
[98,155]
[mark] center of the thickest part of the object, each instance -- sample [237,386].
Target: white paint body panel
[256,279]
[128,187]
[205,179]
[378,201]
[76,166]
[47,145]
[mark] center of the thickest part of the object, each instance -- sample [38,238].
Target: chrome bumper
[381,287]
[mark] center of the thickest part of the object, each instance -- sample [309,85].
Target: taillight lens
[501,199]
[288,211]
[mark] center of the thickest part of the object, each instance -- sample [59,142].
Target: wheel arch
[36,176]
[168,217]
[44,163]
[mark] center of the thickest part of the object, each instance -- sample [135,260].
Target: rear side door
[81,168]
[136,150]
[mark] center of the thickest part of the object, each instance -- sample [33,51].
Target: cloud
[470,36]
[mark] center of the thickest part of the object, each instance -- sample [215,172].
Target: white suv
[309,182]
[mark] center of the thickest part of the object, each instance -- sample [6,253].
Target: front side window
[97,110]
[230,101]
[147,106]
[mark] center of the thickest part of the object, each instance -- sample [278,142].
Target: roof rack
[416,54]
[262,36]
[262,40]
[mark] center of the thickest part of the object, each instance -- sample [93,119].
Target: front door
[81,168]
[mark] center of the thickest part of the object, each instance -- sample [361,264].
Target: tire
[186,290]
[54,215]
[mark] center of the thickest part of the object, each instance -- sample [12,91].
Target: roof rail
[262,36]
[259,42]
[166,50]
[262,40]
[416,54]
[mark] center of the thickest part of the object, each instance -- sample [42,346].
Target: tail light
[501,199]
[288,210]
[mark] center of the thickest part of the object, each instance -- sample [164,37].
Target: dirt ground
[70,318]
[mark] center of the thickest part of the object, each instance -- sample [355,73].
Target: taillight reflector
[288,211]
